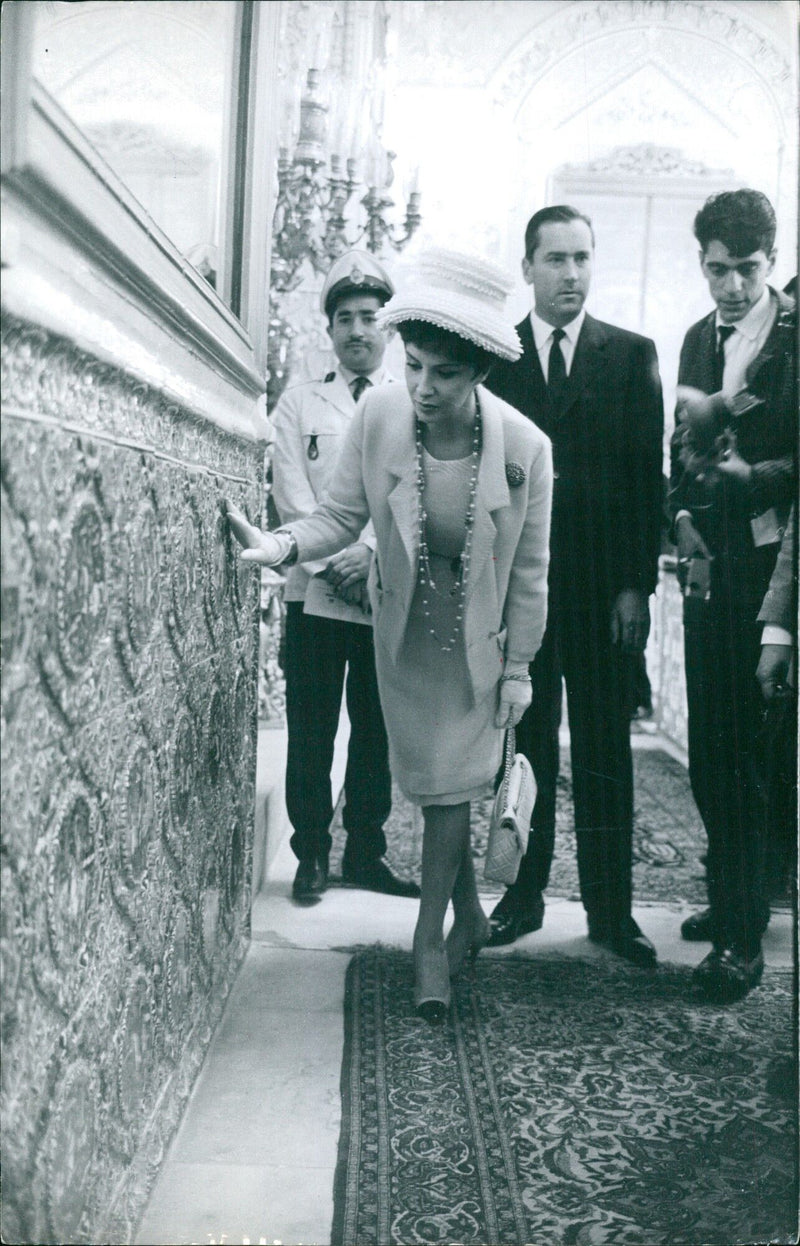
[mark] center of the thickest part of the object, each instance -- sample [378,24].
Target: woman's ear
[481,375]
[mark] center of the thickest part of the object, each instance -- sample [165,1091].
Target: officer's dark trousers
[577,647]
[722,644]
[318,652]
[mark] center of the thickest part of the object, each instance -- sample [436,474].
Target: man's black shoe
[725,975]
[624,939]
[699,928]
[514,916]
[311,879]
[376,876]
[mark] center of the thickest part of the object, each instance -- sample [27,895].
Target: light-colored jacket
[315,414]
[779,608]
[376,477]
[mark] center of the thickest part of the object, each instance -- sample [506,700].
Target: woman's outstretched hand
[267,548]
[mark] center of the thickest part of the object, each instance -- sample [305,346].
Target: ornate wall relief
[130,652]
[494,97]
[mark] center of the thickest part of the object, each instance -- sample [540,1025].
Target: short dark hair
[427,336]
[558,214]
[337,297]
[742,220]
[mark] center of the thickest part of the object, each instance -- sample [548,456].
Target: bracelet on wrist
[522,679]
[291,557]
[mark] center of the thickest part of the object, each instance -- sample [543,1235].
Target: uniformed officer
[328,628]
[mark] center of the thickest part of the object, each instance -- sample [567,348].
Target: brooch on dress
[515,474]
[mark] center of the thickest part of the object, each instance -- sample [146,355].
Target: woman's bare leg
[445,841]
[445,832]
[470,929]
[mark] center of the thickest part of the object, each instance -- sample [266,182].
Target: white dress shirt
[316,411]
[748,337]
[543,338]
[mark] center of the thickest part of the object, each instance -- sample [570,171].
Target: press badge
[765,528]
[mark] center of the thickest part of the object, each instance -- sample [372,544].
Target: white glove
[273,548]
[267,548]
[516,694]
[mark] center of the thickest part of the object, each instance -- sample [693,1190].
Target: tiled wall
[129,653]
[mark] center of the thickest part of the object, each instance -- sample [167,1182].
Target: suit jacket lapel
[589,360]
[492,491]
[706,356]
[404,497]
[771,347]
[534,379]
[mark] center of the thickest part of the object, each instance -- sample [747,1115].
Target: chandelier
[317,217]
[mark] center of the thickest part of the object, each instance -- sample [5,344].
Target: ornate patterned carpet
[563,1102]
[668,836]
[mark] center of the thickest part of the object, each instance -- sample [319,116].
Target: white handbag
[511,816]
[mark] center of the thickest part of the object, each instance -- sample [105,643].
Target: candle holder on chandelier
[316,218]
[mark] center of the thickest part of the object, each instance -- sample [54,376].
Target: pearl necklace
[423,562]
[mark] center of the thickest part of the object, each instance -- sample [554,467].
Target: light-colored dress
[444,747]
[439,707]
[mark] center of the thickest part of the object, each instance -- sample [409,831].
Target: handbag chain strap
[511,748]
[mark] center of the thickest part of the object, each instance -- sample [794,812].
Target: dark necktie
[556,368]
[724,331]
[359,385]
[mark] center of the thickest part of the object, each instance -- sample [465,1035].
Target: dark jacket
[766,437]
[607,460]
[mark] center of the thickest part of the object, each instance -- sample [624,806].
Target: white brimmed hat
[463,293]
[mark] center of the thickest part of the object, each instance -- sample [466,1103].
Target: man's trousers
[727,767]
[321,657]
[577,647]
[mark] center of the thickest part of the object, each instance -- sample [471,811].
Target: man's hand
[775,672]
[730,462]
[354,595]
[706,414]
[347,569]
[630,621]
[690,545]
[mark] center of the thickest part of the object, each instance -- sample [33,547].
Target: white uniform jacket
[309,423]
[376,477]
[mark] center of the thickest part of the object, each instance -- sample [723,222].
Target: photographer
[732,482]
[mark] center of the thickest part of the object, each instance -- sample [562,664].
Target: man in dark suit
[595,390]
[732,482]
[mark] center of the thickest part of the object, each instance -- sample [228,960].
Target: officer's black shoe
[375,875]
[311,879]
[699,927]
[727,975]
[624,939]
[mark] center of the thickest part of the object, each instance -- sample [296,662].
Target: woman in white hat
[458,486]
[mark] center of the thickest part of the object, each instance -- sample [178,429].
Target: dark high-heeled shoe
[464,942]
[431,986]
